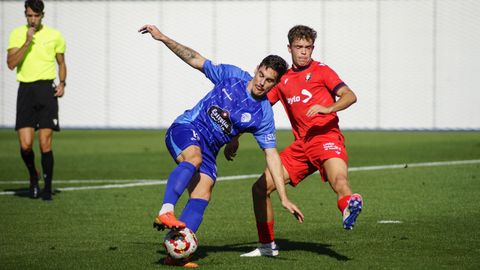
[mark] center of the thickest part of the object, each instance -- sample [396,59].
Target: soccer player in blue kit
[237,104]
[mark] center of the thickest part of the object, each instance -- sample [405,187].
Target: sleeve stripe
[335,89]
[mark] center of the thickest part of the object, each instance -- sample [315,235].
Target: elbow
[353,98]
[11,67]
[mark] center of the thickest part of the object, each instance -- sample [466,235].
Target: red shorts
[302,158]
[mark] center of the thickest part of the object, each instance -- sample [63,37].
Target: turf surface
[111,228]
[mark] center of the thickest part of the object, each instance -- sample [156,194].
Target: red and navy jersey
[298,90]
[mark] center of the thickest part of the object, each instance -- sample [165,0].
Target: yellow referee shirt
[40,60]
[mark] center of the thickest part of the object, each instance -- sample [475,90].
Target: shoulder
[319,66]
[284,79]
[52,31]
[17,37]
[267,108]
[19,30]
[219,72]
[233,70]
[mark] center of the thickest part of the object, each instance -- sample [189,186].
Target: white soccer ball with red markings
[180,244]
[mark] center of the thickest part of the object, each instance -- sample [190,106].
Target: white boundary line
[389,221]
[145,182]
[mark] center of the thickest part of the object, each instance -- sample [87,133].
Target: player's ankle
[166,207]
[271,245]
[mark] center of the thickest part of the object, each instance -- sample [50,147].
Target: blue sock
[178,181]
[192,214]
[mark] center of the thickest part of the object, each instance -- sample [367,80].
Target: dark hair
[276,63]
[36,5]
[301,32]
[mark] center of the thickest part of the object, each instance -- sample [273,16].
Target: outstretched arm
[185,53]
[274,164]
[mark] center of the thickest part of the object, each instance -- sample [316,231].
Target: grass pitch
[432,210]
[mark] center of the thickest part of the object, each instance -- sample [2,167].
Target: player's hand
[59,90]
[294,210]
[30,32]
[230,150]
[153,30]
[315,109]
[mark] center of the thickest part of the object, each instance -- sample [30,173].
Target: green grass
[111,228]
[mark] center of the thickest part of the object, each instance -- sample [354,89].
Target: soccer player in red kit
[311,93]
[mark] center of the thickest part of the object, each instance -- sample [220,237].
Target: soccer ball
[180,244]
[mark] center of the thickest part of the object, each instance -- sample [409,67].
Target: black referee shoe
[34,191]
[47,194]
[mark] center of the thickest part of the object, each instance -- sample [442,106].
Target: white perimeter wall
[412,64]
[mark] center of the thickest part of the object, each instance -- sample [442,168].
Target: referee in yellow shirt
[33,49]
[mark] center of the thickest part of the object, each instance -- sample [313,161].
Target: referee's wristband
[64,83]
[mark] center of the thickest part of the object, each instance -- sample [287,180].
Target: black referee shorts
[37,106]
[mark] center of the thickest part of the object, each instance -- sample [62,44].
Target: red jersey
[298,90]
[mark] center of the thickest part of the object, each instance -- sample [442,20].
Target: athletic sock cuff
[343,203]
[187,165]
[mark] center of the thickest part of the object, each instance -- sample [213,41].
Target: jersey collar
[302,68]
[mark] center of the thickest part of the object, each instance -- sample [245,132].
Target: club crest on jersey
[308,76]
[246,117]
[221,118]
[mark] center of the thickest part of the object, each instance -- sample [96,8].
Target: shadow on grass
[284,244]
[24,192]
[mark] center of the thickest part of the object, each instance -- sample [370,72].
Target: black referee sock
[47,166]
[28,157]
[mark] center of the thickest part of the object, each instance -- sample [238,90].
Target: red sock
[343,203]
[265,232]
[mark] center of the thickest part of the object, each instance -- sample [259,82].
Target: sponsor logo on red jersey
[305,97]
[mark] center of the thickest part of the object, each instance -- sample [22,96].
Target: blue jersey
[229,109]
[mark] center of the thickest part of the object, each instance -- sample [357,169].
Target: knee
[45,146]
[192,155]
[26,143]
[202,189]
[202,194]
[195,161]
[26,146]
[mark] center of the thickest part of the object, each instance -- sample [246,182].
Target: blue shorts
[181,136]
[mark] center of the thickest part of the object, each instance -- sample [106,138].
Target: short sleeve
[265,135]
[273,94]
[17,39]
[332,80]
[60,45]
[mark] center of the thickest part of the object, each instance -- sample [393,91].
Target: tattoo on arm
[185,53]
